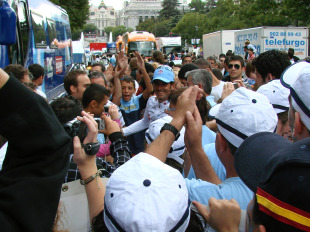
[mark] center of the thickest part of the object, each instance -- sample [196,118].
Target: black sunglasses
[237,66]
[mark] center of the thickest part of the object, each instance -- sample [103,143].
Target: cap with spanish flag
[278,171]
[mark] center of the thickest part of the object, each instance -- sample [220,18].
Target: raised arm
[185,105]
[149,88]
[118,74]
[192,138]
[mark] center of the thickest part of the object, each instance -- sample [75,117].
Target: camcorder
[78,128]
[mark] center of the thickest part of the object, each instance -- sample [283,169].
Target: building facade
[102,16]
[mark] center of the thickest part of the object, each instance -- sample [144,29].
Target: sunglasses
[237,66]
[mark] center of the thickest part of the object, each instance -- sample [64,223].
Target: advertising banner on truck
[279,38]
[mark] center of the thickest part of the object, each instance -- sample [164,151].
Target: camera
[106,109]
[235,85]
[76,128]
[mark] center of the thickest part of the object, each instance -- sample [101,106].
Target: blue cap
[164,73]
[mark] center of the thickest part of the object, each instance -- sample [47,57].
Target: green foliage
[76,35]
[297,11]
[197,6]
[90,27]
[120,30]
[169,9]
[146,25]
[78,12]
[192,25]
[226,15]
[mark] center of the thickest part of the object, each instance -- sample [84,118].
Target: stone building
[102,16]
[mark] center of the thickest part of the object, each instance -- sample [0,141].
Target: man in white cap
[278,95]
[297,79]
[240,115]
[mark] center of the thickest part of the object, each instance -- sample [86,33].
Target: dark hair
[97,74]
[99,64]
[239,58]
[36,70]
[17,70]
[217,73]
[283,117]
[290,54]
[158,56]
[187,55]
[249,68]
[30,85]
[185,68]
[273,61]
[66,108]
[94,92]
[222,55]
[229,53]
[149,68]
[251,49]
[71,79]
[133,64]
[202,63]
[129,79]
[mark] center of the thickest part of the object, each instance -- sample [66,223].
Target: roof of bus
[141,35]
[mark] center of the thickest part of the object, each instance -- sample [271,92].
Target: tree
[120,30]
[78,12]
[147,25]
[297,11]
[107,30]
[209,6]
[169,9]
[197,5]
[192,25]
[90,27]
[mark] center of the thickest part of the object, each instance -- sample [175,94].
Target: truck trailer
[218,42]
[279,38]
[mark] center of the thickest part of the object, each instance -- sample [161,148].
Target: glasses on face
[168,110]
[230,66]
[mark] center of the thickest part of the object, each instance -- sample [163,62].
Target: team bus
[141,41]
[39,33]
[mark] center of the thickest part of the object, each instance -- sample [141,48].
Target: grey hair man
[203,79]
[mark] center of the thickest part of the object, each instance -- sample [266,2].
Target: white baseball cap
[144,194]
[177,148]
[277,95]
[244,113]
[297,78]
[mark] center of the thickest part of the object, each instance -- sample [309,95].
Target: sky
[117,4]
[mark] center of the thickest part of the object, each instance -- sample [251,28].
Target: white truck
[218,42]
[169,44]
[279,38]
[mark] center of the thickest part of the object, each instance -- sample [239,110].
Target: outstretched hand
[193,131]
[187,102]
[110,125]
[224,215]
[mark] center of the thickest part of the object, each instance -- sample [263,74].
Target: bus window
[38,30]
[24,28]
[52,35]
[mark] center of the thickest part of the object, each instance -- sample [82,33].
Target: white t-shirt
[153,111]
[218,89]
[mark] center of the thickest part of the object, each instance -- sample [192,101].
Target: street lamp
[196,27]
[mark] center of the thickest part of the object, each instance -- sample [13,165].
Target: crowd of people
[216,144]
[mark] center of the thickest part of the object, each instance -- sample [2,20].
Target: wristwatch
[91,148]
[171,128]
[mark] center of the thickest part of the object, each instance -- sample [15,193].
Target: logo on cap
[160,71]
